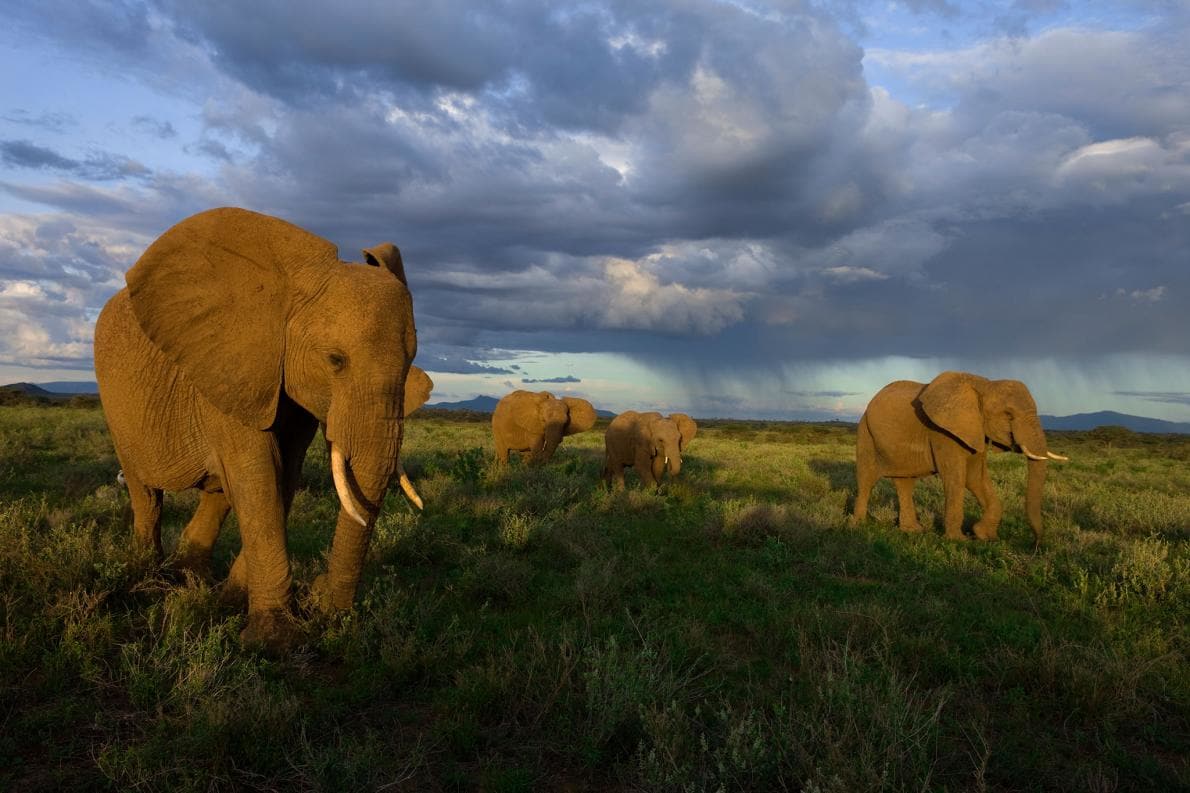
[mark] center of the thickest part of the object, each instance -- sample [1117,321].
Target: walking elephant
[236,335]
[648,442]
[534,423]
[947,427]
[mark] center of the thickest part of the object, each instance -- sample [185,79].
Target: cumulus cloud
[671,181]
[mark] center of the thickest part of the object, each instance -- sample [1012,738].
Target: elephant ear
[418,386]
[213,293]
[952,403]
[388,256]
[686,429]
[582,415]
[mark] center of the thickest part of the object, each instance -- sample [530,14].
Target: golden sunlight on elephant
[534,423]
[947,427]
[649,442]
[236,335]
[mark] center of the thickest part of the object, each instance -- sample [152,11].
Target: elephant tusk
[1030,454]
[667,461]
[407,486]
[1053,456]
[339,472]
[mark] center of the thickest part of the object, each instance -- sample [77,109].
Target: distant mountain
[1089,421]
[487,404]
[33,391]
[481,404]
[71,387]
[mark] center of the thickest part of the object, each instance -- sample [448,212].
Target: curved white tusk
[407,486]
[667,461]
[120,480]
[1030,454]
[1053,456]
[339,472]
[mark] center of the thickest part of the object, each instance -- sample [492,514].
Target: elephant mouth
[342,477]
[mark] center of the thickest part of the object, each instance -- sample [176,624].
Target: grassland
[530,631]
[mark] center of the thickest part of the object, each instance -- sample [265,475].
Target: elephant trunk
[674,464]
[363,463]
[1033,487]
[553,437]
[1030,437]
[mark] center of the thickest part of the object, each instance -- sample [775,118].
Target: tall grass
[533,631]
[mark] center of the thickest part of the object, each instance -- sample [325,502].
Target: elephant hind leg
[865,472]
[979,482]
[146,512]
[199,536]
[907,518]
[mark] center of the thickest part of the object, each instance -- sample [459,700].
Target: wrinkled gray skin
[534,423]
[649,442]
[947,427]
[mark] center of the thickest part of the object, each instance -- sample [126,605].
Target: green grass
[531,631]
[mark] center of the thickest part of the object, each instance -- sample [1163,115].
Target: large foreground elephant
[236,335]
[946,427]
[534,423]
[649,442]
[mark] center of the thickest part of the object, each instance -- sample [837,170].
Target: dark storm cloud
[563,379]
[686,181]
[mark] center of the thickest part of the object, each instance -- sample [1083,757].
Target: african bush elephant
[534,423]
[648,442]
[911,430]
[236,335]
[197,540]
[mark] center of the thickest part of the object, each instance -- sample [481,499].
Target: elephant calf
[648,442]
[946,427]
[535,423]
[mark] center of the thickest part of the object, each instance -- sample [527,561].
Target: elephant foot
[274,630]
[328,598]
[957,536]
[911,528]
[985,531]
[197,565]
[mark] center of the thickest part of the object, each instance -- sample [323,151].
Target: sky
[748,208]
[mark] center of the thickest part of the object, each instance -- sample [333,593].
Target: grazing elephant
[647,441]
[236,335]
[911,430]
[198,538]
[535,423]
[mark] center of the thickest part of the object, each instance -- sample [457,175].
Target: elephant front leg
[979,482]
[953,488]
[907,518]
[644,468]
[252,479]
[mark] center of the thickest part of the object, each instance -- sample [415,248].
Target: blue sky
[754,208]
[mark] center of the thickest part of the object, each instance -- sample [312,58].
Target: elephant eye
[337,360]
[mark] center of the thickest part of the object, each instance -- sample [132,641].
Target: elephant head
[254,310]
[562,417]
[977,411]
[666,439]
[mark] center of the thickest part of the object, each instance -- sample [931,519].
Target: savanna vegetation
[531,631]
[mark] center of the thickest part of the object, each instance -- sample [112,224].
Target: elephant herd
[535,423]
[239,334]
